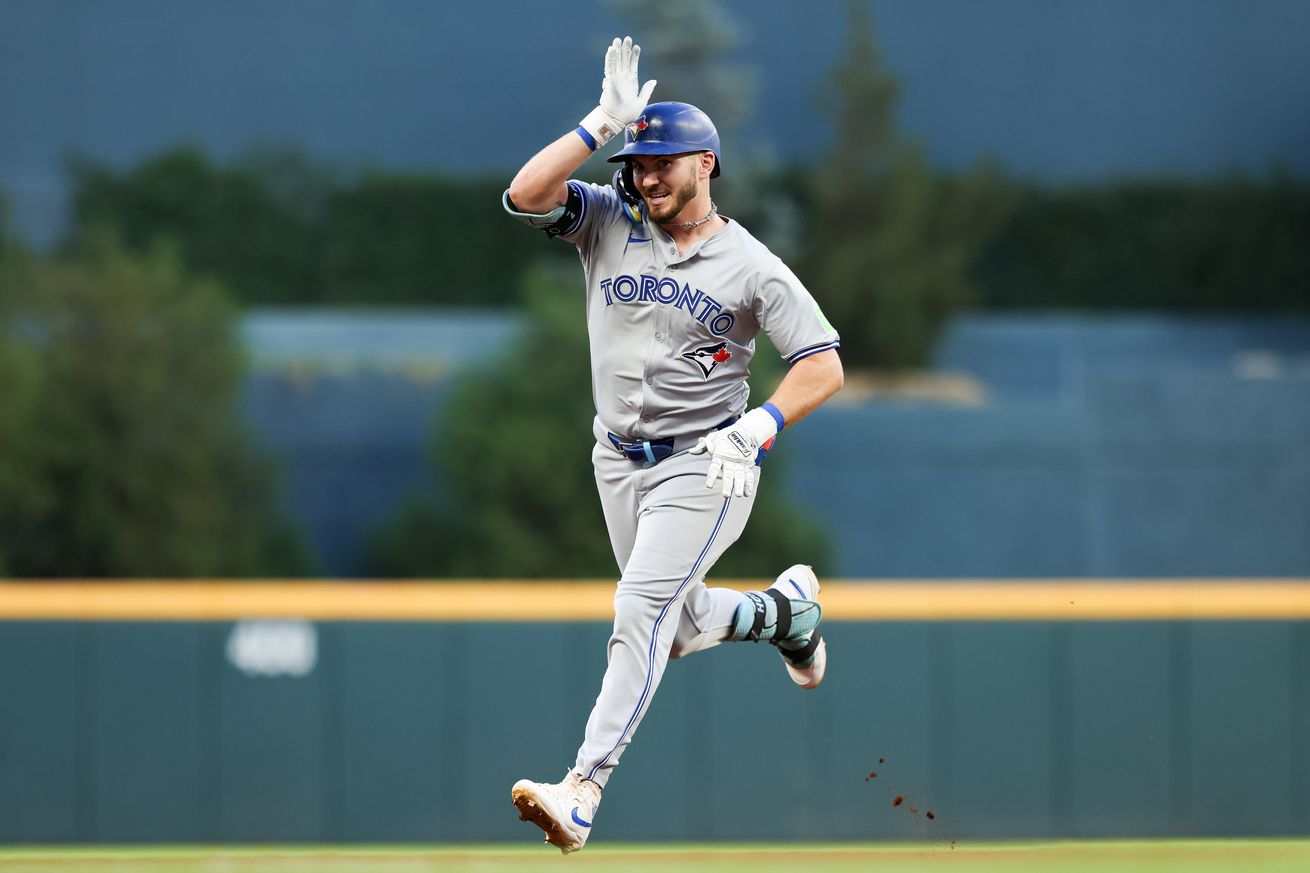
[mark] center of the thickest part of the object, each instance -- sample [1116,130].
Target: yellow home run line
[481,600]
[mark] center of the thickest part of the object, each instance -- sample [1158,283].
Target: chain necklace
[714,210]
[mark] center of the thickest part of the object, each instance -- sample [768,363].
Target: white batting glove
[732,452]
[621,101]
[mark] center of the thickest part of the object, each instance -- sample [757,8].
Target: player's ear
[706,164]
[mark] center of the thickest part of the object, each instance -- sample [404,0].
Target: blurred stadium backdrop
[257,301]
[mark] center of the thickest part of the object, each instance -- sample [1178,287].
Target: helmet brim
[660,148]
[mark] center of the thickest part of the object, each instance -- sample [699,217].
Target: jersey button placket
[655,351]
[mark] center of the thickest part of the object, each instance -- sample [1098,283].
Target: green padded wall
[414,732]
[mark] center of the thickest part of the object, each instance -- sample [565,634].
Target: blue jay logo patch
[708,357]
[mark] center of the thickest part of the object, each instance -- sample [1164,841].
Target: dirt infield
[1199,856]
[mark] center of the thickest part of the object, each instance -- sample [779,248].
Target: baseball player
[675,296]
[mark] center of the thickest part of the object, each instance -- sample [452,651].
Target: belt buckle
[642,451]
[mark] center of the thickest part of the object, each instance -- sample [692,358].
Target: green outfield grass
[1183,856]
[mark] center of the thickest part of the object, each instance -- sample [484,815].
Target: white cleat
[564,810]
[806,668]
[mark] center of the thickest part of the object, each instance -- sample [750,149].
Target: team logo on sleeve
[708,357]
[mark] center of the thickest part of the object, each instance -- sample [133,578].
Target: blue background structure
[1064,91]
[1100,446]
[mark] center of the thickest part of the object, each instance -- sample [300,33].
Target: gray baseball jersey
[672,334]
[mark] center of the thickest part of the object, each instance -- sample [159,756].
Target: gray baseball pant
[667,530]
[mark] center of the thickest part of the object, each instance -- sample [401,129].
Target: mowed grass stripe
[482,600]
[1194,856]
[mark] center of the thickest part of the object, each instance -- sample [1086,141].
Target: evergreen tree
[256,226]
[275,228]
[891,242]
[4,227]
[121,448]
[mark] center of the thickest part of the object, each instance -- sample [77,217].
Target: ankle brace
[768,615]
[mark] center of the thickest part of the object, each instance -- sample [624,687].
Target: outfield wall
[178,722]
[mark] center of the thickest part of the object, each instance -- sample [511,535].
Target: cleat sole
[530,810]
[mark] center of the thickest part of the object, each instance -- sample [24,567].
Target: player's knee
[635,610]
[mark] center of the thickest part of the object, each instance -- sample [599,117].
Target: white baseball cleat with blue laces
[806,658]
[564,810]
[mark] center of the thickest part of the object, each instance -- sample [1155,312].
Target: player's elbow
[837,376]
[530,195]
[521,195]
[834,376]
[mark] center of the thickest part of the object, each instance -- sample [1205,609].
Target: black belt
[651,452]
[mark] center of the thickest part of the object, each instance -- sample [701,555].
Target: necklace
[714,210]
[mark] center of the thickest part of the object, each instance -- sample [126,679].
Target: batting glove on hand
[621,101]
[732,451]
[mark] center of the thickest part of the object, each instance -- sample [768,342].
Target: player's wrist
[760,424]
[599,127]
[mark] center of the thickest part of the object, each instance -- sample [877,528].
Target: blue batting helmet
[670,128]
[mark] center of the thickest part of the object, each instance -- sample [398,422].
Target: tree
[891,242]
[513,451]
[1233,243]
[423,239]
[275,228]
[20,375]
[4,227]
[510,512]
[121,448]
[256,225]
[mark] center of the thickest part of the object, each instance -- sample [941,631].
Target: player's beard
[676,202]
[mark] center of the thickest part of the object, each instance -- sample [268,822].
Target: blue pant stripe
[654,636]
